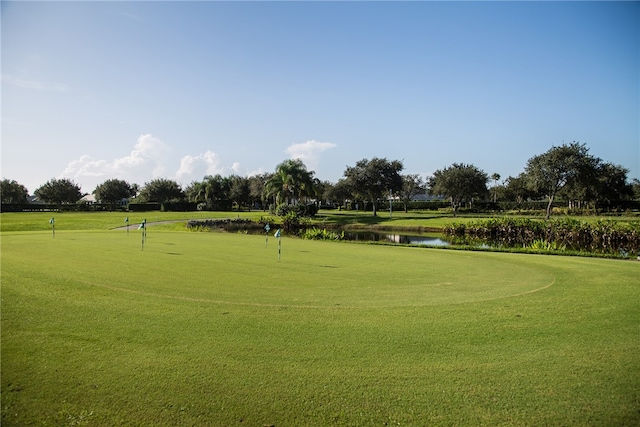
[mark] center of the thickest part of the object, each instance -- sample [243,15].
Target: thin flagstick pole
[278,236]
[143,225]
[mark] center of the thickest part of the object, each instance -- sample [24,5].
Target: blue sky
[139,90]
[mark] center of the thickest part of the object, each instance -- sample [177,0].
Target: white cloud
[196,167]
[147,160]
[256,172]
[150,158]
[309,152]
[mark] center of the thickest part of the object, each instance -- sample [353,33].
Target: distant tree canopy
[161,190]
[567,173]
[412,185]
[518,189]
[580,177]
[240,192]
[459,183]
[322,190]
[112,191]
[210,191]
[635,188]
[59,191]
[373,179]
[13,192]
[340,191]
[550,172]
[611,183]
[256,188]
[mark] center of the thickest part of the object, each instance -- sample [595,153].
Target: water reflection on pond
[393,237]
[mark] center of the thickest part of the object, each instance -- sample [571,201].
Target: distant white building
[89,199]
[425,197]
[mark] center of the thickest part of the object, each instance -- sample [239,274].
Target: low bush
[293,223]
[299,210]
[321,234]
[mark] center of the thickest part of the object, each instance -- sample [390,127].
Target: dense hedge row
[481,206]
[49,207]
[602,236]
[227,205]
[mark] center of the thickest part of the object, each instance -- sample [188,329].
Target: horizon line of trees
[568,172]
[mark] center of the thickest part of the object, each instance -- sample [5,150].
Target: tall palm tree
[291,182]
[273,188]
[196,192]
[495,177]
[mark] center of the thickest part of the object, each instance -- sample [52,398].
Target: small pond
[395,237]
[427,239]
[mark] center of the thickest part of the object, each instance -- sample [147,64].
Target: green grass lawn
[211,329]
[39,221]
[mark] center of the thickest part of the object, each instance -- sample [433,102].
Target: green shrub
[321,234]
[300,210]
[292,223]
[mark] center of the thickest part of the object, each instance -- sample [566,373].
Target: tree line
[568,172]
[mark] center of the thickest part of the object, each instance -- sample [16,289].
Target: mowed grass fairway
[211,329]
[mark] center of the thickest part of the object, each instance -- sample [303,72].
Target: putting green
[234,269]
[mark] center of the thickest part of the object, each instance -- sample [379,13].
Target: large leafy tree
[240,191]
[59,191]
[611,183]
[460,183]
[412,185]
[635,188]
[340,191]
[161,190]
[13,192]
[216,187]
[375,178]
[290,183]
[112,191]
[256,188]
[195,192]
[518,189]
[211,190]
[568,165]
[323,190]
